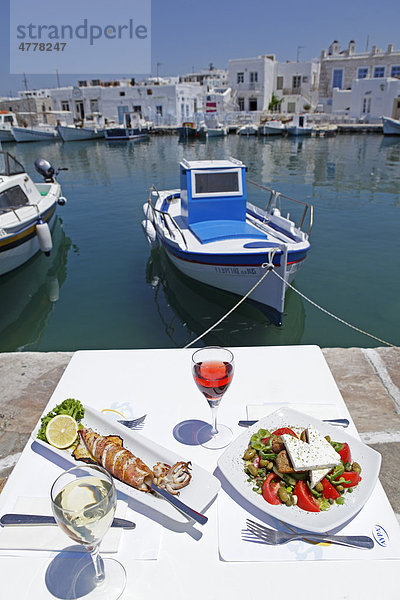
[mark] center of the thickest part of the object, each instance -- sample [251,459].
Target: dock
[368,379]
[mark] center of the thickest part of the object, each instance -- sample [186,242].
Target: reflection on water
[187,308]
[28,295]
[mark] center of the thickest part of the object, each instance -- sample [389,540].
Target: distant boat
[299,126]
[133,128]
[39,133]
[390,126]
[213,235]
[188,130]
[249,129]
[27,211]
[273,127]
[71,133]
[7,120]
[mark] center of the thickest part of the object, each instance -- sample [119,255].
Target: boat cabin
[7,119]
[213,199]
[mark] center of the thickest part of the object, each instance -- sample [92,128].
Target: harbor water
[103,287]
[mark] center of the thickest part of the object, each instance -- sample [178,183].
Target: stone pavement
[368,379]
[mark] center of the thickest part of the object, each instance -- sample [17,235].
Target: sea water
[103,287]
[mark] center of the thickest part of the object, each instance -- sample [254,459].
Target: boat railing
[165,216]
[275,197]
[14,209]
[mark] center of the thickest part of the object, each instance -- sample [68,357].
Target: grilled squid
[172,478]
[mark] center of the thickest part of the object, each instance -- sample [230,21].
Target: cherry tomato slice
[284,430]
[305,499]
[270,489]
[345,453]
[329,491]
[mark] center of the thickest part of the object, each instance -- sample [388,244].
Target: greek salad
[300,468]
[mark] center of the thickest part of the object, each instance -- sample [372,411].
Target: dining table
[184,559]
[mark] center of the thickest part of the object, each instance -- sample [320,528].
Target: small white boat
[249,129]
[40,133]
[133,128]
[273,127]
[212,234]
[7,120]
[390,126]
[27,211]
[71,133]
[299,126]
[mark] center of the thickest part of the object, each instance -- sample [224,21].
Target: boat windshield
[9,165]
[211,183]
[12,198]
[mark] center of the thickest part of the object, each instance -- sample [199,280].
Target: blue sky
[189,35]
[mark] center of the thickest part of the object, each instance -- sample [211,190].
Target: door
[121,111]
[79,110]
[396,108]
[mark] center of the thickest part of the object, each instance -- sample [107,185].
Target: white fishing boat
[133,128]
[390,126]
[212,234]
[86,130]
[27,211]
[212,127]
[249,129]
[39,133]
[272,127]
[299,126]
[7,120]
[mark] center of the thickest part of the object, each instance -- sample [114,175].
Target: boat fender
[62,201]
[148,213]
[44,237]
[150,233]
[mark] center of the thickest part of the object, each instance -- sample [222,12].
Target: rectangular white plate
[200,492]
[231,465]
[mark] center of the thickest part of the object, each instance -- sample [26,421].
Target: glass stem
[214,411]
[97,563]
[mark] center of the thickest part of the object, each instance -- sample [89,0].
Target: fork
[134,423]
[273,537]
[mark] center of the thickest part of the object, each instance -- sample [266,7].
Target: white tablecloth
[159,383]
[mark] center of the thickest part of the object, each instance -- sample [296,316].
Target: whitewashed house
[252,83]
[296,86]
[369,99]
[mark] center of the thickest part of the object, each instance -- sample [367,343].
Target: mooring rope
[270,267]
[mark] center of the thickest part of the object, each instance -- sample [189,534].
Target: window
[395,72]
[122,93]
[216,183]
[9,165]
[240,78]
[137,109]
[253,104]
[149,92]
[305,79]
[13,197]
[337,78]
[366,108]
[64,105]
[241,103]
[94,105]
[291,107]
[296,82]
[159,110]
[279,83]
[379,72]
[362,73]
[8,119]
[253,77]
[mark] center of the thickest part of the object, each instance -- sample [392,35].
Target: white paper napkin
[376,520]
[143,541]
[318,411]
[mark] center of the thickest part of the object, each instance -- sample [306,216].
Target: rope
[269,266]
[334,316]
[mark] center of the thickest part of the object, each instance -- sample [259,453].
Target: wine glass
[83,500]
[212,369]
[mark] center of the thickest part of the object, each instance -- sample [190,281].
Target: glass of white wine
[84,500]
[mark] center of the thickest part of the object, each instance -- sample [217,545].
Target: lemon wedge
[61,431]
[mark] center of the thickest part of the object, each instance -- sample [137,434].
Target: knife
[339,422]
[186,510]
[18,519]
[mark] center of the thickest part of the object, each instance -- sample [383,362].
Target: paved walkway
[369,380]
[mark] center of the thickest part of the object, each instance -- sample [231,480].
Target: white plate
[231,465]
[198,494]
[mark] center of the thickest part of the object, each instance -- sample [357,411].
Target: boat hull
[76,134]
[122,133]
[390,126]
[24,134]
[271,130]
[24,244]
[6,135]
[297,131]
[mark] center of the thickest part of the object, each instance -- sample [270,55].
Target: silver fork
[273,537]
[134,423]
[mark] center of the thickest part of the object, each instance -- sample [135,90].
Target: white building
[296,85]
[252,82]
[369,99]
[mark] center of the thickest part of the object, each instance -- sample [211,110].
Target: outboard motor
[44,168]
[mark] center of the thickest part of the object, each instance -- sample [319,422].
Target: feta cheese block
[316,454]
[317,474]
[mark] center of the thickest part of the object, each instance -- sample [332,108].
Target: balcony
[248,87]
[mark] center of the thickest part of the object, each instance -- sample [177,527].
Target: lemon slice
[61,431]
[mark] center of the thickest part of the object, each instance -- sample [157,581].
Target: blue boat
[212,234]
